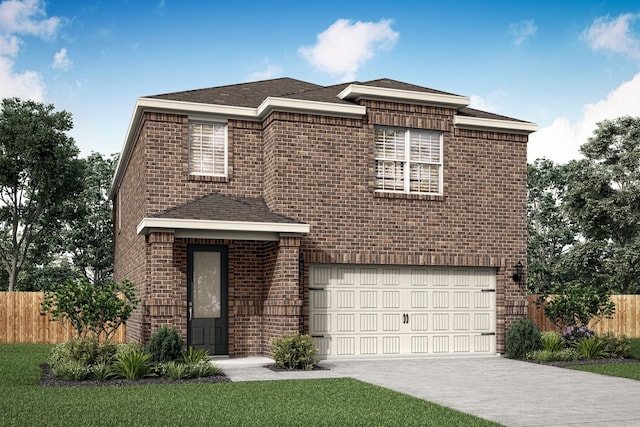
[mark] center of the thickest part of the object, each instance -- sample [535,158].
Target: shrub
[100,371]
[550,341]
[562,355]
[191,357]
[294,351]
[87,351]
[616,347]
[177,371]
[590,348]
[73,370]
[522,337]
[91,309]
[127,347]
[165,345]
[575,333]
[132,366]
[203,368]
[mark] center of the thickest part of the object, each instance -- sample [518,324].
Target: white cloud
[25,85]
[24,18]
[561,140]
[480,103]
[613,35]
[343,47]
[522,30]
[270,72]
[61,60]
[27,17]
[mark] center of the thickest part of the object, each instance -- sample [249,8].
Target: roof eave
[466,122]
[148,224]
[355,92]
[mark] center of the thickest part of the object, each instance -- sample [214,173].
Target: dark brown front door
[207,305]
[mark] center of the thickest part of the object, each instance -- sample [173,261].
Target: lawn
[625,370]
[326,402]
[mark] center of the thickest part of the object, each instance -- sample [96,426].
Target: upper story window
[408,160]
[208,149]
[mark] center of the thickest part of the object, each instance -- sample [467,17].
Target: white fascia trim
[355,92]
[148,224]
[482,123]
[274,103]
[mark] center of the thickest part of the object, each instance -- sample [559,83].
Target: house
[383,218]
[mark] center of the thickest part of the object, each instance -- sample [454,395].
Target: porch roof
[216,216]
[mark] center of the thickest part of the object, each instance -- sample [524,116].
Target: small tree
[577,305]
[92,310]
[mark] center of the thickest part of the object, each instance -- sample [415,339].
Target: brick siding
[320,170]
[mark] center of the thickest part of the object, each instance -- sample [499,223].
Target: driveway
[509,392]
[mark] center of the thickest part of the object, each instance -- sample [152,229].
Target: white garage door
[378,311]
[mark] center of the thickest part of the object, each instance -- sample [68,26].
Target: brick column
[165,295]
[283,301]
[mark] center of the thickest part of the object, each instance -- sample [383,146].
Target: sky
[564,65]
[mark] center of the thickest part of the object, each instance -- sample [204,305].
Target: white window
[208,149]
[408,160]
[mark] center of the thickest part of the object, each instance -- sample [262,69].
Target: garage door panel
[358,311]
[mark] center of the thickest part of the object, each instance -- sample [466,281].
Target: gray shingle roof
[216,207]
[252,94]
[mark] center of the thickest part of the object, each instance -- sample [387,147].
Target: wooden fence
[21,321]
[625,321]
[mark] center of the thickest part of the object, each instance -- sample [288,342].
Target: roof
[223,217]
[217,207]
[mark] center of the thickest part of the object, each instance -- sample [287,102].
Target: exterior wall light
[517,277]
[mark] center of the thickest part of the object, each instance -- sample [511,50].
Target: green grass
[329,402]
[625,370]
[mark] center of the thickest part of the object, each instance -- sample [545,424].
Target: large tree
[551,233]
[604,200]
[39,174]
[90,234]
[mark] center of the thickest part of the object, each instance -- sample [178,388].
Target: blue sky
[563,65]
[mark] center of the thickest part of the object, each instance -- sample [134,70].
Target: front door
[207,317]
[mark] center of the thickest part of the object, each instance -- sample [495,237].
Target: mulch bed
[274,368]
[585,362]
[48,380]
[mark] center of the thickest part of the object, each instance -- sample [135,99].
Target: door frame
[224,291]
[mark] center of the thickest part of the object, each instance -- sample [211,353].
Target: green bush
[73,370]
[191,356]
[87,351]
[100,371]
[132,366]
[551,341]
[616,347]
[590,348]
[294,351]
[203,368]
[127,347]
[165,345]
[177,371]
[522,337]
[562,355]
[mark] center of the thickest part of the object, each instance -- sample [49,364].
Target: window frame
[407,161]
[200,172]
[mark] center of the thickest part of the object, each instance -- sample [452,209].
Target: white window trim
[407,162]
[226,148]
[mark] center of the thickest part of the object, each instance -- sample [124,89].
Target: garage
[358,311]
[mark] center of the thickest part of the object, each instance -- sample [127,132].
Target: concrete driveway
[509,392]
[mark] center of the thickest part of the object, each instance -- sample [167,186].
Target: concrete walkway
[509,392]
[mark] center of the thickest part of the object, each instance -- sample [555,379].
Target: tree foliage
[604,200]
[551,233]
[39,174]
[90,309]
[89,237]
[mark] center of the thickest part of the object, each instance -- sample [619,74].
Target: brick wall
[320,170]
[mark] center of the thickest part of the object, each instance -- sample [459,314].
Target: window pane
[389,175]
[206,284]
[389,143]
[207,149]
[424,178]
[425,146]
